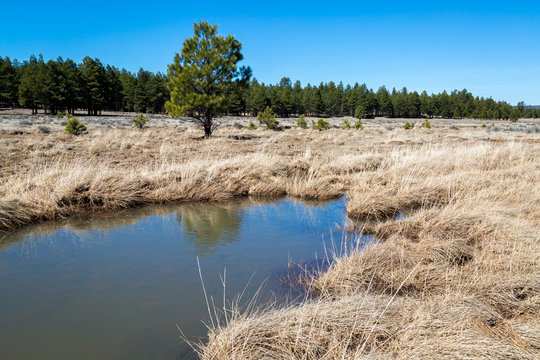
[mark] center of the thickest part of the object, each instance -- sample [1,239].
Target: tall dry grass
[57,175]
[457,278]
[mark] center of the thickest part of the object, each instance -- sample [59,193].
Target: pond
[117,287]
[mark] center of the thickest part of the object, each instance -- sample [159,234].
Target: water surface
[117,286]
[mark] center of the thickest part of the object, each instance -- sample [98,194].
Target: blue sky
[491,48]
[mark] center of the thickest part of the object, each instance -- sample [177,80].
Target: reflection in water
[80,225]
[117,285]
[208,226]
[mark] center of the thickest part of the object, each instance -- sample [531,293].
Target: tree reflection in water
[208,226]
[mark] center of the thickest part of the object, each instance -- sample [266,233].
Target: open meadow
[457,277]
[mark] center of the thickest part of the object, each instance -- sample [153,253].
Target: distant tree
[313,103]
[258,100]
[515,115]
[113,97]
[129,84]
[285,100]
[297,103]
[9,83]
[32,82]
[143,91]
[204,74]
[94,84]
[331,98]
[237,101]
[385,102]
[73,83]
[160,93]
[54,92]
[360,112]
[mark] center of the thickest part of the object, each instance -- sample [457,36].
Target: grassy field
[458,277]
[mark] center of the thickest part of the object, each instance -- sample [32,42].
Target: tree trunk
[207,131]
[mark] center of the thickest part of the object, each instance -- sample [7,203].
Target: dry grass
[459,277]
[50,176]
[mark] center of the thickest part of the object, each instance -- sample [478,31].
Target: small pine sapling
[426,124]
[301,122]
[140,121]
[323,125]
[75,127]
[408,125]
[268,118]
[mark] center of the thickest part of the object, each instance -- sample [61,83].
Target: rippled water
[117,286]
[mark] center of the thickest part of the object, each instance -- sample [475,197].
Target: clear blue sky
[492,48]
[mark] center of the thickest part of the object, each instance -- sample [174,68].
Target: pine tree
[9,82]
[94,84]
[204,74]
[73,83]
[31,86]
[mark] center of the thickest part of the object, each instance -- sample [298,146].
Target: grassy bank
[457,278]
[47,176]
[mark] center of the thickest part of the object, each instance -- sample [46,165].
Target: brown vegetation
[457,278]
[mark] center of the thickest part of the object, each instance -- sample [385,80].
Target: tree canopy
[63,85]
[205,76]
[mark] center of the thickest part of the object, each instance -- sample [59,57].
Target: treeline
[288,99]
[65,86]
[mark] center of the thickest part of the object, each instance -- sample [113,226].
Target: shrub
[301,122]
[59,115]
[484,125]
[44,129]
[75,127]
[251,125]
[408,125]
[346,124]
[359,125]
[140,121]
[426,124]
[322,125]
[268,118]
[69,116]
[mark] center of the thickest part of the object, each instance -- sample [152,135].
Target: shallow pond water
[117,287]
